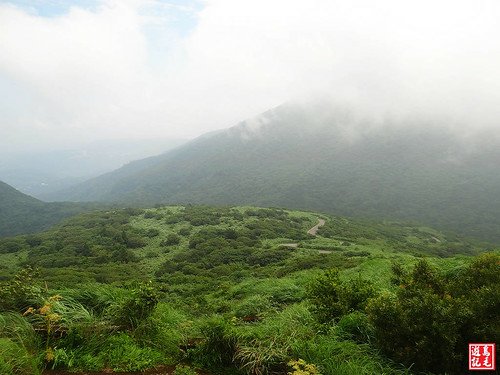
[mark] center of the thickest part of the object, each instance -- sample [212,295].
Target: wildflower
[45,309]
[30,310]
[49,355]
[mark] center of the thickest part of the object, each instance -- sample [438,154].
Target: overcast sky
[88,70]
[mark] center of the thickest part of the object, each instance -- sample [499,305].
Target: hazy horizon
[135,69]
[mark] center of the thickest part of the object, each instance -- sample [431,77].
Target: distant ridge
[325,159]
[21,213]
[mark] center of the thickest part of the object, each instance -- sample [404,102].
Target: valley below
[221,290]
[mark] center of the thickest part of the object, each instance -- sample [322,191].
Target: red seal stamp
[482,356]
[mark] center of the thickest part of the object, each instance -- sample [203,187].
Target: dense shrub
[152,232]
[430,319]
[23,291]
[10,245]
[137,307]
[219,346]
[171,240]
[332,298]
[253,307]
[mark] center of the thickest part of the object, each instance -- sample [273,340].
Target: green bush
[252,307]
[267,346]
[431,317]
[118,352]
[152,232]
[219,346]
[11,245]
[184,231]
[137,307]
[171,240]
[355,326]
[331,298]
[21,292]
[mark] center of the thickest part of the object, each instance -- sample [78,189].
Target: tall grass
[268,345]
[165,330]
[344,357]
[19,346]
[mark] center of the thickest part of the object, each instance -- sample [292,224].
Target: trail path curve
[314,230]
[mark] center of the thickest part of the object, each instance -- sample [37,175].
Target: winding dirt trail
[314,230]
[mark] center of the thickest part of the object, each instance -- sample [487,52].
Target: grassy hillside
[240,290]
[326,160]
[20,213]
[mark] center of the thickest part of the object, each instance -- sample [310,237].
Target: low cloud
[124,68]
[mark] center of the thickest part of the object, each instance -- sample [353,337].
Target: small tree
[332,298]
[428,321]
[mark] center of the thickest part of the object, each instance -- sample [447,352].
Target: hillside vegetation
[324,159]
[243,290]
[21,213]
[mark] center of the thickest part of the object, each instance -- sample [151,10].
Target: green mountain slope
[20,213]
[325,160]
[243,290]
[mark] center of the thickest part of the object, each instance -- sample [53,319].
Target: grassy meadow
[243,290]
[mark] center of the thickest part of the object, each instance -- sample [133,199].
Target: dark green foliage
[34,240]
[267,213]
[275,228]
[230,296]
[332,298]
[185,231]
[23,291]
[478,289]
[402,237]
[90,242]
[213,248]
[203,215]
[356,253]
[171,240]
[149,215]
[219,344]
[315,261]
[152,232]
[137,307]
[265,257]
[431,318]
[11,245]
[20,213]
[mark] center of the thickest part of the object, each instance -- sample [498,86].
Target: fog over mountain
[328,159]
[392,107]
[335,208]
[120,69]
[42,171]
